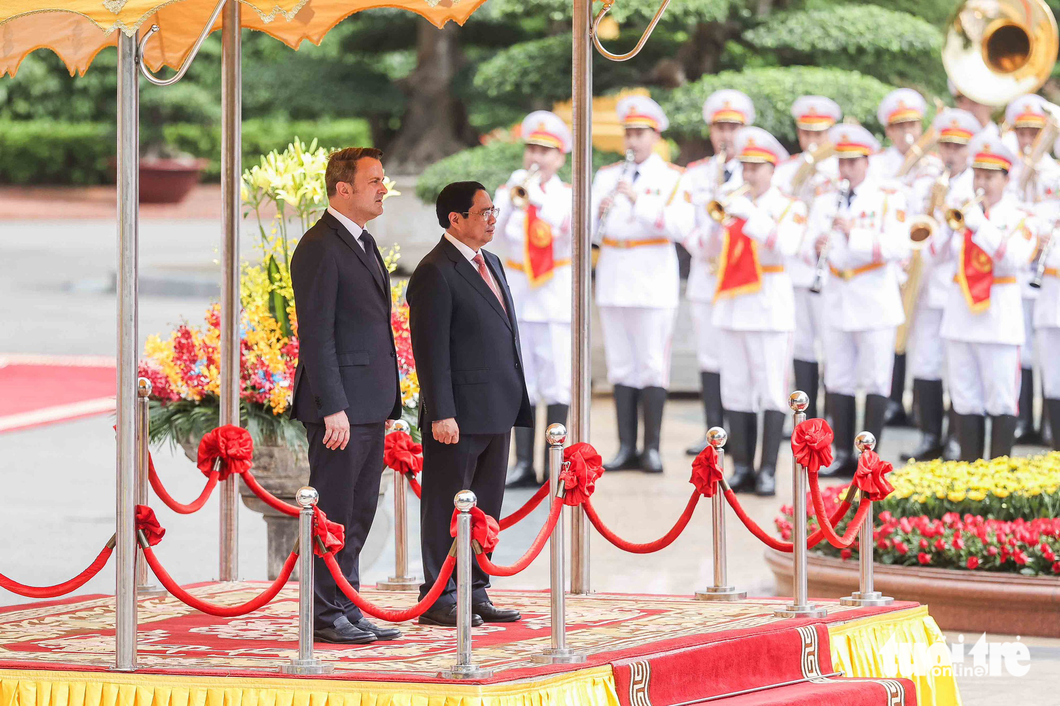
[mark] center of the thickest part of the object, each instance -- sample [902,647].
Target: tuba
[997,50]
[921,229]
[808,162]
[1043,143]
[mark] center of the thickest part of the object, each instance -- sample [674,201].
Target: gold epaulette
[612,166]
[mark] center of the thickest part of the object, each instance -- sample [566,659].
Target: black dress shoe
[522,476]
[492,614]
[697,448]
[343,632]
[651,461]
[446,615]
[380,633]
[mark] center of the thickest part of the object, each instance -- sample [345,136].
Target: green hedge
[773,90]
[50,152]
[490,164]
[679,12]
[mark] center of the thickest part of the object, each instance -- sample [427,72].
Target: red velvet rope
[415,485]
[648,547]
[532,553]
[60,589]
[392,616]
[210,608]
[780,545]
[827,527]
[268,498]
[526,509]
[169,501]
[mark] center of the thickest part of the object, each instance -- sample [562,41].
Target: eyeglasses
[485,215]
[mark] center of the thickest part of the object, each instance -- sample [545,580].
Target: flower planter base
[968,601]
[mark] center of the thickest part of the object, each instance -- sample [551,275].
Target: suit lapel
[495,267]
[468,272]
[352,244]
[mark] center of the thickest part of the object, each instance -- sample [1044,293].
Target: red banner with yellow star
[538,260]
[739,271]
[975,275]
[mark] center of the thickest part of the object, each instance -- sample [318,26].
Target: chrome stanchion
[559,653]
[464,668]
[143,462]
[305,663]
[400,581]
[800,607]
[721,590]
[867,596]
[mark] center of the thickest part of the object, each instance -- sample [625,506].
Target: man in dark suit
[346,384]
[466,343]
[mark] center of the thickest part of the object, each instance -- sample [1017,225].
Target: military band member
[982,323]
[927,355]
[814,116]
[754,308]
[1027,116]
[535,229]
[638,212]
[902,112]
[983,113]
[1047,325]
[725,111]
[865,234]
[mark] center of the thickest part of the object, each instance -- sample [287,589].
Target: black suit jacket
[466,346]
[346,355]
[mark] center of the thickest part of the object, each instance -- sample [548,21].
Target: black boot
[712,410]
[772,433]
[952,450]
[554,414]
[1025,431]
[743,438]
[895,415]
[626,410]
[841,411]
[875,412]
[1052,410]
[1002,434]
[807,379]
[522,474]
[927,404]
[971,433]
[652,401]
[1046,425]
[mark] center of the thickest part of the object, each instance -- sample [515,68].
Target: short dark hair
[342,165]
[457,197]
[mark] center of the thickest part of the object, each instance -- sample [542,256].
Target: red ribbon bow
[147,523]
[869,476]
[232,445]
[484,529]
[331,534]
[811,443]
[581,468]
[402,454]
[706,472]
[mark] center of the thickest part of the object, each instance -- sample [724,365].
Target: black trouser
[478,462]
[348,483]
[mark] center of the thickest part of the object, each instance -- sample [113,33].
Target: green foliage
[490,164]
[679,12]
[50,152]
[892,46]
[185,420]
[773,90]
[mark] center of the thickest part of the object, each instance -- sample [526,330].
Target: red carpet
[37,390]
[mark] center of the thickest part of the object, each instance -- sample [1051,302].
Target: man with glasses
[465,338]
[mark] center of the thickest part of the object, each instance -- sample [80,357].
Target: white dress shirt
[355,230]
[470,254]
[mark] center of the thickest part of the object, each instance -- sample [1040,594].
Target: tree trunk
[435,124]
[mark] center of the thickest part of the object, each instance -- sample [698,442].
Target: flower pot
[282,471]
[168,180]
[971,601]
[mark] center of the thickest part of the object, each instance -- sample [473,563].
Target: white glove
[974,217]
[740,207]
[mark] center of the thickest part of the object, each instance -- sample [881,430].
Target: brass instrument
[921,229]
[1042,144]
[822,260]
[626,168]
[955,216]
[997,50]
[810,159]
[716,207]
[520,196]
[918,149]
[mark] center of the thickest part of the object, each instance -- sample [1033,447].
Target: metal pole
[868,595]
[581,359]
[721,590]
[400,581]
[128,174]
[305,663]
[464,668]
[143,452]
[231,139]
[556,435]
[800,608]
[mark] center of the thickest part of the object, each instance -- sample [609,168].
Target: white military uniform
[905,105]
[1047,324]
[637,278]
[543,308]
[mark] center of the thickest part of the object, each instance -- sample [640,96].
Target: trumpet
[922,227]
[822,259]
[520,192]
[955,216]
[627,168]
[716,207]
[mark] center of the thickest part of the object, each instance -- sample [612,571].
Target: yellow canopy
[77,30]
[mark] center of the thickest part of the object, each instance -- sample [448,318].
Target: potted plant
[168,174]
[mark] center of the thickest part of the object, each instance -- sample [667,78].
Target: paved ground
[57,293]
